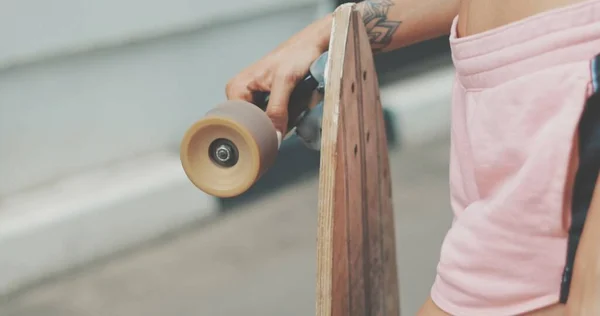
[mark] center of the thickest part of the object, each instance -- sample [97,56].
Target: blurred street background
[96,215]
[260,259]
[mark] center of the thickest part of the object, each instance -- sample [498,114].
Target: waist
[556,37]
[483,15]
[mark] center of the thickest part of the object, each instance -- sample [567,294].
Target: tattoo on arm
[379,28]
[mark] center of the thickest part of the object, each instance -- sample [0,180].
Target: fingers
[238,90]
[249,81]
[280,83]
[261,82]
[277,109]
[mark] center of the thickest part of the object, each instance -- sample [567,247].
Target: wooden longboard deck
[356,252]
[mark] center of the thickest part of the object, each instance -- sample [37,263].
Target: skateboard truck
[227,151]
[308,127]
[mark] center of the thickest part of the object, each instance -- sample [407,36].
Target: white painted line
[420,89]
[421,104]
[93,215]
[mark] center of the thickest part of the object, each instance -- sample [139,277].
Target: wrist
[316,36]
[323,32]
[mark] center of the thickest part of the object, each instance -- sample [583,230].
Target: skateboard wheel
[228,150]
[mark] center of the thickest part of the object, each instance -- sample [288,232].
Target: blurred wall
[85,83]
[94,99]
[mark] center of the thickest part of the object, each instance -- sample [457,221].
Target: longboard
[228,150]
[356,252]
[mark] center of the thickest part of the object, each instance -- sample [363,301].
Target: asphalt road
[258,260]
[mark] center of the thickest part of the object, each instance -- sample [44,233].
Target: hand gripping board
[356,253]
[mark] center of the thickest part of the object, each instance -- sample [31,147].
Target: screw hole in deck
[365,75]
[355,149]
[352,87]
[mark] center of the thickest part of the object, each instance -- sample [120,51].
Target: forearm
[392,24]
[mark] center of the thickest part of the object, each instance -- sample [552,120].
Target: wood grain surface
[356,252]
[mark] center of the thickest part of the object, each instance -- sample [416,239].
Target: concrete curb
[420,105]
[93,215]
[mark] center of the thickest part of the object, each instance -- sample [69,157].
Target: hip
[483,15]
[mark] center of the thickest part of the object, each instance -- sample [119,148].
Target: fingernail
[278,139]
